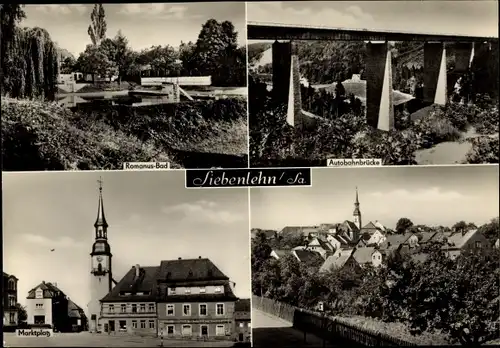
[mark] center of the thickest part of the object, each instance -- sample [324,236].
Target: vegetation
[437,299]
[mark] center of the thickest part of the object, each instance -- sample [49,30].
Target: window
[151,307]
[142,307]
[204,330]
[39,293]
[143,324]
[12,318]
[12,284]
[172,291]
[217,289]
[123,324]
[134,308]
[242,324]
[12,301]
[39,306]
[170,310]
[478,244]
[39,319]
[220,308]
[219,330]
[151,324]
[111,308]
[170,330]
[203,290]
[134,324]
[186,309]
[187,290]
[123,308]
[186,330]
[203,309]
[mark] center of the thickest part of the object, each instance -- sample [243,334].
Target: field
[45,136]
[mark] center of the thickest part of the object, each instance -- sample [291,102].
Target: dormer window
[172,291]
[39,293]
[203,290]
[217,289]
[187,290]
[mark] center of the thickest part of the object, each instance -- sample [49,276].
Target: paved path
[270,331]
[85,339]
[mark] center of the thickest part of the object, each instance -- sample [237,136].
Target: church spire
[356,205]
[100,223]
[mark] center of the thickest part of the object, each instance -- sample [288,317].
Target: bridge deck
[271,331]
[276,31]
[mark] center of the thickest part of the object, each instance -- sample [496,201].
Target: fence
[327,328]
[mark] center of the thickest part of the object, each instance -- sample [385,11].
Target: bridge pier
[379,96]
[435,73]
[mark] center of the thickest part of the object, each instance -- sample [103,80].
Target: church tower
[100,266]
[357,212]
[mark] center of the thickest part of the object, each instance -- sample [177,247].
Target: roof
[280,252]
[9,276]
[363,255]
[74,311]
[308,256]
[351,225]
[228,296]
[458,240]
[325,245]
[370,226]
[49,290]
[200,269]
[146,282]
[335,261]
[393,241]
[379,225]
[424,237]
[303,230]
[419,257]
[242,305]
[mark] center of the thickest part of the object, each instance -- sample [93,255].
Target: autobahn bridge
[378,69]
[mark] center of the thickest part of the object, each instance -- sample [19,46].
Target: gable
[370,226]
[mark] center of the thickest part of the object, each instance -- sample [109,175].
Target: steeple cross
[100,183]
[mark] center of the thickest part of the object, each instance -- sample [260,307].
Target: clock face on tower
[99,258]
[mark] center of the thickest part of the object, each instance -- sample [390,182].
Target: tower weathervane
[100,183]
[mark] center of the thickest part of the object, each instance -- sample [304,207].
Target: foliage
[68,65]
[491,230]
[485,149]
[97,29]
[22,315]
[435,128]
[461,226]
[97,59]
[403,224]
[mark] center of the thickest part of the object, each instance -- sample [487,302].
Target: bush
[484,150]
[486,121]
[434,129]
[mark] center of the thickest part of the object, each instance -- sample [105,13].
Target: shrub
[396,148]
[458,115]
[486,121]
[484,150]
[434,129]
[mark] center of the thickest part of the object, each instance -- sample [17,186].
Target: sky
[431,196]
[151,217]
[143,24]
[475,18]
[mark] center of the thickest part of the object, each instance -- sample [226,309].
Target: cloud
[432,194]
[63,241]
[204,211]
[351,17]
[61,9]
[155,9]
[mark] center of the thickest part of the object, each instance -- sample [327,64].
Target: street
[270,331]
[85,339]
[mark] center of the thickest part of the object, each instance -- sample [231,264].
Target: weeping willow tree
[30,65]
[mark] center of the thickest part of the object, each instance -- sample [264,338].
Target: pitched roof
[379,225]
[363,255]
[242,305]
[146,282]
[325,245]
[308,256]
[189,270]
[75,311]
[280,252]
[393,241]
[369,226]
[299,230]
[49,290]
[424,237]
[228,295]
[458,240]
[351,225]
[335,261]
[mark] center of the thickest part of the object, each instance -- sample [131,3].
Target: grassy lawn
[45,136]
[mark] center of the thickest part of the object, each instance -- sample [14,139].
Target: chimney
[43,281]
[179,258]
[137,268]
[199,257]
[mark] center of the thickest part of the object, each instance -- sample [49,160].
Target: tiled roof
[9,276]
[74,311]
[351,225]
[325,245]
[49,290]
[146,282]
[308,256]
[393,241]
[299,230]
[424,237]
[280,252]
[242,305]
[379,225]
[335,261]
[228,295]
[369,226]
[363,255]
[200,269]
[457,240]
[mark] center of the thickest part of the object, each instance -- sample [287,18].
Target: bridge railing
[328,328]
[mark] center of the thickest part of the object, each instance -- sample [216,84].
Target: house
[130,307]
[46,304]
[297,231]
[378,257]
[76,317]
[380,226]
[372,234]
[320,246]
[363,256]
[9,292]
[242,320]
[336,261]
[279,253]
[465,240]
[308,256]
[195,300]
[393,242]
[348,230]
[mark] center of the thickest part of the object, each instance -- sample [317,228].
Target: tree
[403,224]
[457,297]
[491,230]
[97,29]
[460,226]
[95,60]
[10,16]
[68,65]
[22,315]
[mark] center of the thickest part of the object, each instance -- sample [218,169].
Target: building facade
[242,321]
[195,300]
[9,292]
[100,267]
[130,308]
